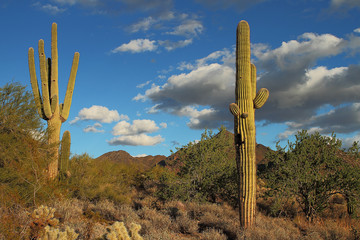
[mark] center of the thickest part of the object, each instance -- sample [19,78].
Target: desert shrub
[14,222]
[99,180]
[23,150]
[206,171]
[267,228]
[310,171]
[151,219]
[213,234]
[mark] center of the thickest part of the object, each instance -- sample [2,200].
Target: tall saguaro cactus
[48,104]
[246,101]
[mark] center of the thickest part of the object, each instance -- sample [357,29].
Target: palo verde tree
[246,101]
[48,105]
[311,170]
[23,150]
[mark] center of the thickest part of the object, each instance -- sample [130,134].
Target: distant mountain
[261,150]
[124,157]
[148,162]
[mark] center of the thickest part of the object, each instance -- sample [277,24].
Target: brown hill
[125,158]
[261,150]
[149,161]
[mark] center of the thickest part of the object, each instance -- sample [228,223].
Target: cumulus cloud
[143,25]
[49,8]
[298,87]
[143,84]
[96,128]
[137,46]
[100,114]
[137,127]
[188,28]
[141,155]
[344,3]
[171,45]
[136,140]
[203,94]
[136,133]
[348,142]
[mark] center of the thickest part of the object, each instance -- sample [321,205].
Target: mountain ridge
[150,161]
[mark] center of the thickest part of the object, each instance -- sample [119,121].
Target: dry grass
[174,221]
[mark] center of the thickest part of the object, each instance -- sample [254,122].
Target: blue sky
[153,74]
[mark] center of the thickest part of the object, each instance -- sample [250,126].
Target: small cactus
[56,234]
[118,232]
[40,218]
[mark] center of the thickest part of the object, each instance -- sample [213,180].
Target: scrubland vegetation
[309,190]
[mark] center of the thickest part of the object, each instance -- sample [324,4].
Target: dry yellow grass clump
[174,220]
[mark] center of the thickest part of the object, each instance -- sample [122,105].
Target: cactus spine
[246,101]
[48,104]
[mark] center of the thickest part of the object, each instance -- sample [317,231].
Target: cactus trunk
[48,103]
[54,126]
[246,101]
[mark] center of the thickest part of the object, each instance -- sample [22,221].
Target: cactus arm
[54,63]
[65,109]
[53,103]
[34,84]
[261,98]
[234,109]
[44,80]
[65,152]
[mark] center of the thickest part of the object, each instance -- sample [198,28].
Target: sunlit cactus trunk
[246,101]
[48,102]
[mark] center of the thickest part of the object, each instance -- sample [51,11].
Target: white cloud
[141,155]
[137,46]
[163,125]
[48,8]
[139,97]
[298,86]
[137,127]
[345,3]
[99,113]
[170,45]
[143,25]
[190,27]
[94,128]
[136,140]
[348,142]
[143,84]
[357,30]
[297,53]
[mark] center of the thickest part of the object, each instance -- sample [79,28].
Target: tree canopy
[310,171]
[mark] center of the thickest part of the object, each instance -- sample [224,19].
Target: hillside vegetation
[308,190]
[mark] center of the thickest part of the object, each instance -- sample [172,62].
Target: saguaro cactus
[48,105]
[246,101]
